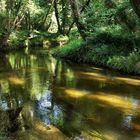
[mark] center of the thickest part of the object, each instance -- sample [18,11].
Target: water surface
[48,99]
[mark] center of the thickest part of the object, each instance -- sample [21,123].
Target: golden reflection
[96,68]
[116,101]
[92,76]
[101,77]
[15,80]
[75,93]
[48,133]
[131,81]
[126,105]
[39,131]
[12,78]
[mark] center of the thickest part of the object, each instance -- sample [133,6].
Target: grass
[116,52]
[69,51]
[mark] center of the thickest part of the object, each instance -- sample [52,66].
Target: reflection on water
[44,98]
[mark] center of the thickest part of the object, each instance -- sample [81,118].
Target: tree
[136,6]
[77,18]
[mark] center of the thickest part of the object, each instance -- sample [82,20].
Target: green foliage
[130,63]
[18,38]
[62,38]
[99,54]
[103,52]
[68,50]
[74,34]
[112,26]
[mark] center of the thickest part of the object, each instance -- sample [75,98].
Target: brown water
[42,98]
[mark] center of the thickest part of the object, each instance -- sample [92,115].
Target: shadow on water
[44,98]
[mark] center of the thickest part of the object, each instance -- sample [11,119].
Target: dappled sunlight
[71,92]
[82,102]
[106,78]
[92,76]
[96,68]
[76,93]
[40,131]
[49,130]
[12,78]
[124,104]
[119,102]
[33,128]
[130,81]
[15,80]
[96,74]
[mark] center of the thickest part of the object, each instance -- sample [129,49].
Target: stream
[42,98]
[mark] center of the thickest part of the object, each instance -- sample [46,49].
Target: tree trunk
[136,6]
[57,16]
[77,18]
[83,8]
[64,15]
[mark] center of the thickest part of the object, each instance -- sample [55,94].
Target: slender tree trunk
[83,8]
[136,6]
[77,18]
[57,16]
[64,15]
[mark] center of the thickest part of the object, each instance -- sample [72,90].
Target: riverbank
[115,52]
[21,39]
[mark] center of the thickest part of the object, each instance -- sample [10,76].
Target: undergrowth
[116,52]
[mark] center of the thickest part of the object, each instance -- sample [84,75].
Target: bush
[99,54]
[69,50]
[130,63]
[111,54]
[18,39]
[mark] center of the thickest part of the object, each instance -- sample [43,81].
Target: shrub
[130,63]
[114,51]
[17,38]
[68,50]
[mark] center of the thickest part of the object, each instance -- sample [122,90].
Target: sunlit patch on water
[12,79]
[131,81]
[99,76]
[49,99]
[16,81]
[92,76]
[124,104]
